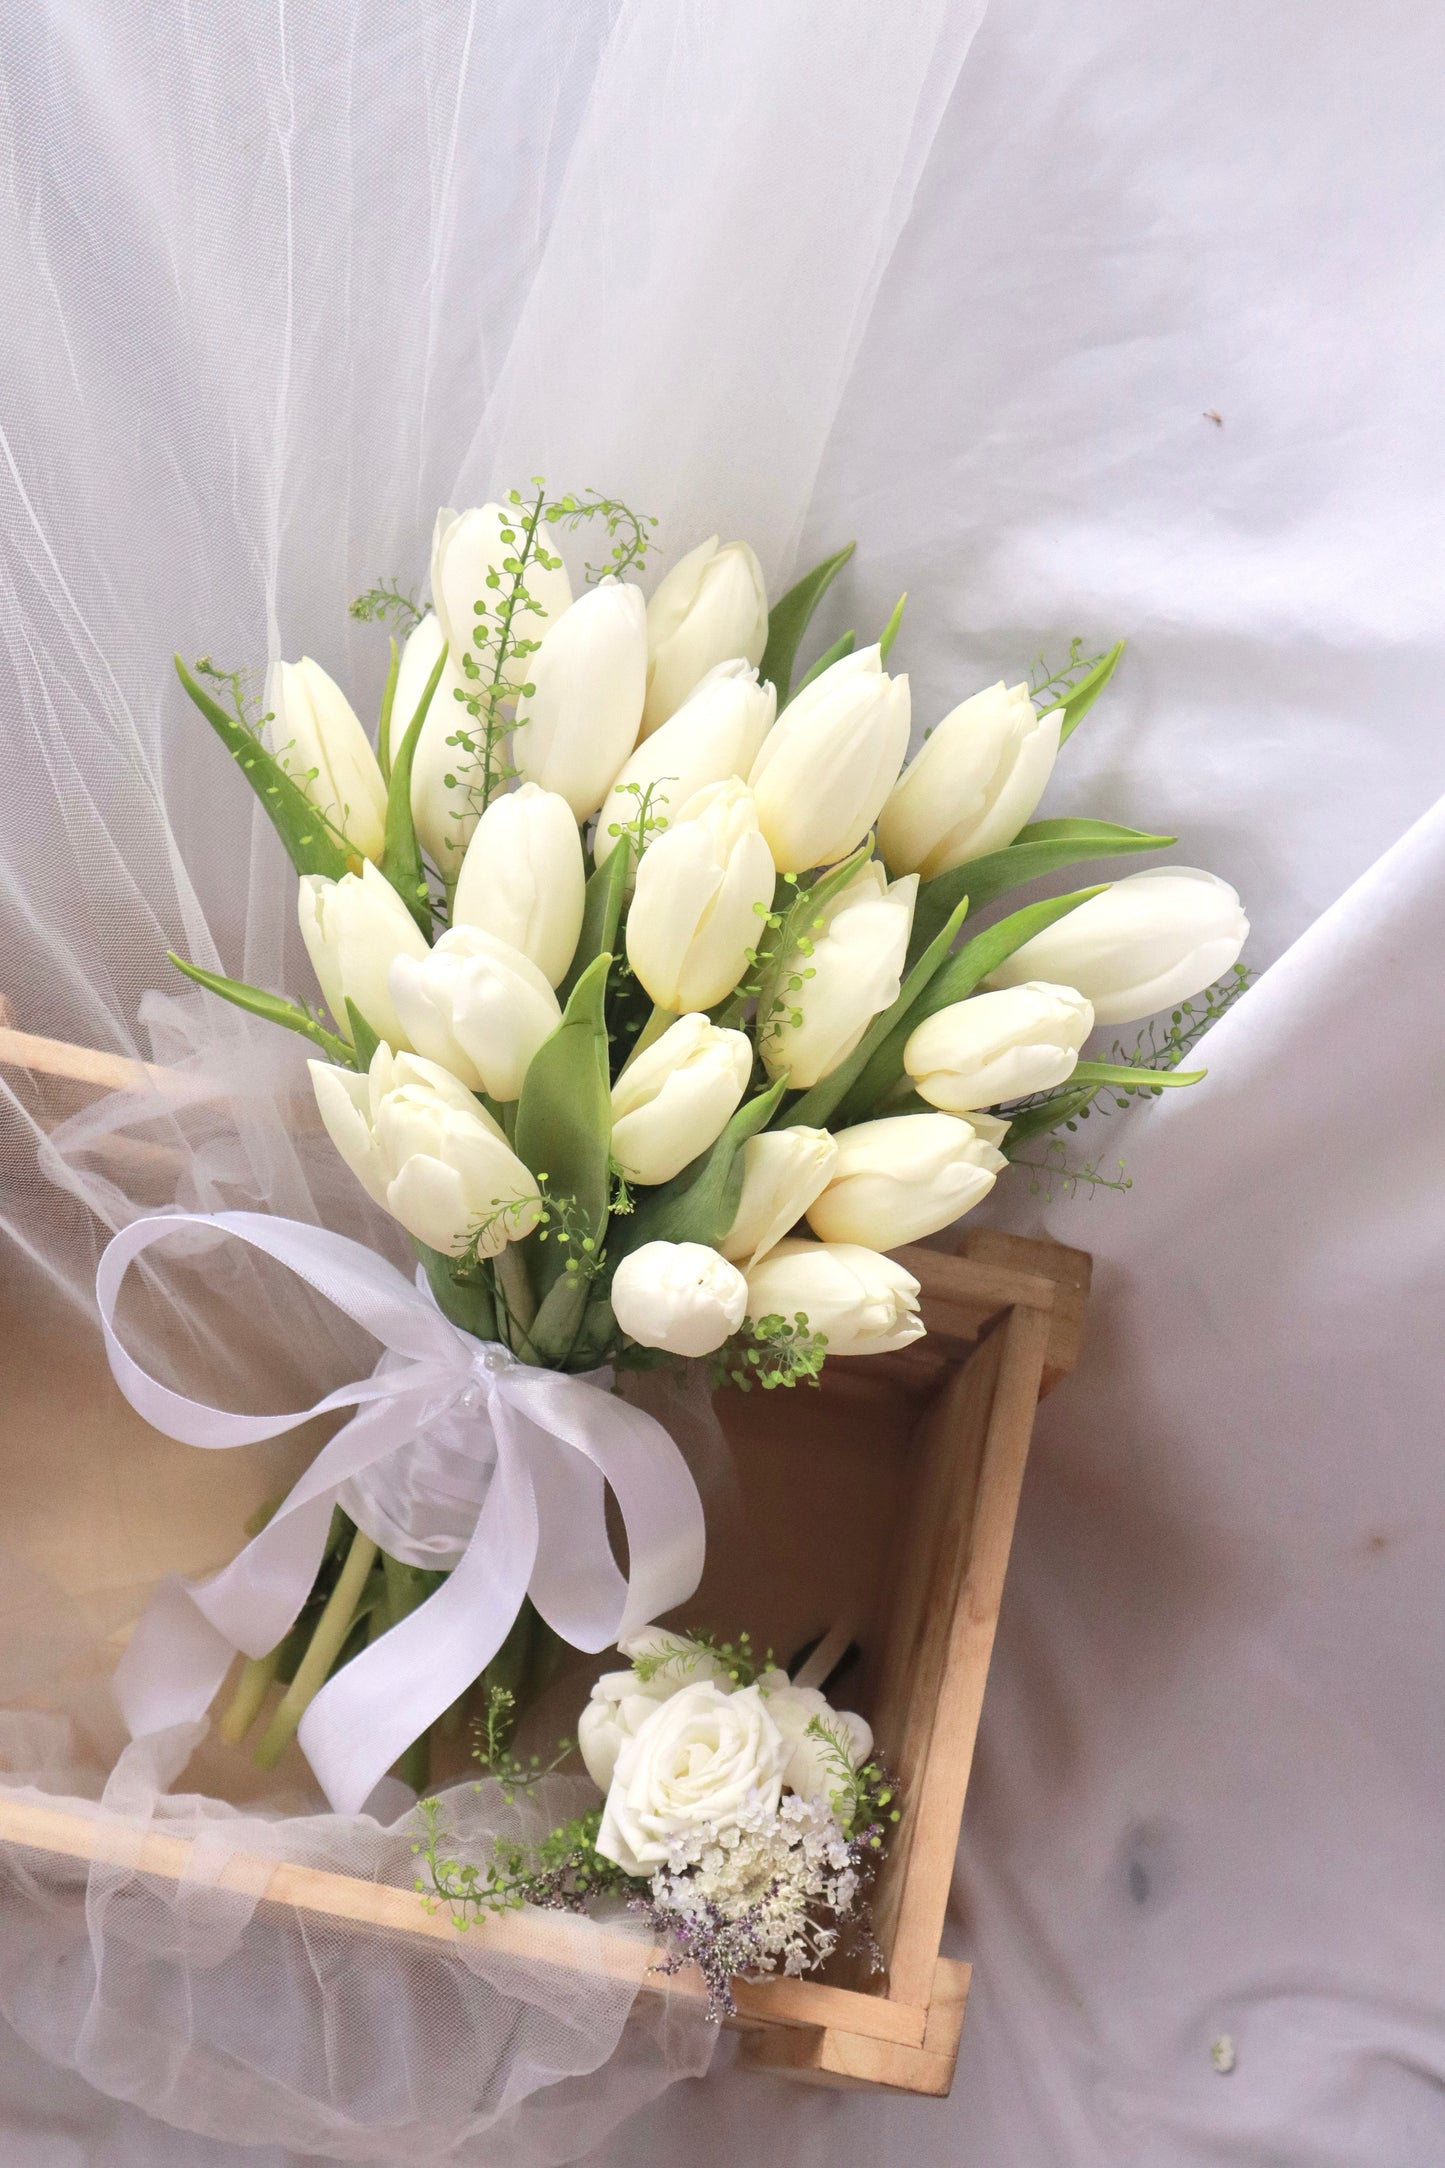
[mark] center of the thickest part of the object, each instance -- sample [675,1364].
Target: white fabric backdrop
[1209,1782]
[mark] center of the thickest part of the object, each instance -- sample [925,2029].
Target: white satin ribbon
[558,1443]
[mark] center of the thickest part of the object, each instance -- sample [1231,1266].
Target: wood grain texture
[957,1641]
[846,2061]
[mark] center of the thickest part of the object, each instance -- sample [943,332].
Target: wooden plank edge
[847,2061]
[937,1801]
[81,1064]
[530,1933]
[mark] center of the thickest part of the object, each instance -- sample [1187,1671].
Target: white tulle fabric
[276,283]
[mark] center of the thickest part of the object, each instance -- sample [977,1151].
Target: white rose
[699,1758]
[812,1764]
[621,1702]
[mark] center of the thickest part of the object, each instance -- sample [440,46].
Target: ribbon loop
[504,1469]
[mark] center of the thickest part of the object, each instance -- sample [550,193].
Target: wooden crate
[884,1502]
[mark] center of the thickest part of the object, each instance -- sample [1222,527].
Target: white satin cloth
[542,1450]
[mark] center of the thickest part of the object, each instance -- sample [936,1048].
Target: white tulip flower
[829,762]
[446,767]
[863,1303]
[678,1295]
[711,607]
[903,1177]
[317,737]
[704,889]
[523,878]
[580,721]
[783,1171]
[716,733]
[973,785]
[851,971]
[354,930]
[424,1150]
[477,1006]
[468,548]
[676,1097]
[1142,945]
[993,1047]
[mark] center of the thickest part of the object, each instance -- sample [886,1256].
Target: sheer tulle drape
[276,282]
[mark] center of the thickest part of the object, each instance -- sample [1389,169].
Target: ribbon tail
[171,1669]
[369,1714]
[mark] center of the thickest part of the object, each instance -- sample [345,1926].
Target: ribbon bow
[553,1444]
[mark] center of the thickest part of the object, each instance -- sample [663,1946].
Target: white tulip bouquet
[651,1012]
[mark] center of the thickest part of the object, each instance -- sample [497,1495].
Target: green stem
[325,1646]
[511,1271]
[244,1706]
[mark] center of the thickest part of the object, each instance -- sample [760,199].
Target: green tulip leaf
[601,913]
[789,617]
[1052,1113]
[955,981]
[815,1106]
[275,1008]
[564,1127]
[1044,847]
[701,1203]
[826,660]
[312,844]
[363,1039]
[890,631]
[1077,702]
[1134,1076]
[465,1301]
[401,854]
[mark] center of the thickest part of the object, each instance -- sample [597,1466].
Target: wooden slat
[845,2061]
[543,1937]
[1070,1270]
[929,1562]
[970,1618]
[82,1064]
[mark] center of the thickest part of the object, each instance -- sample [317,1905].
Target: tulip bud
[851,970]
[714,734]
[478,1007]
[354,929]
[783,1171]
[469,554]
[1000,1046]
[315,734]
[678,1295]
[446,777]
[425,1151]
[864,1304]
[711,607]
[1149,941]
[972,786]
[523,878]
[580,721]
[903,1177]
[829,762]
[703,892]
[676,1097]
